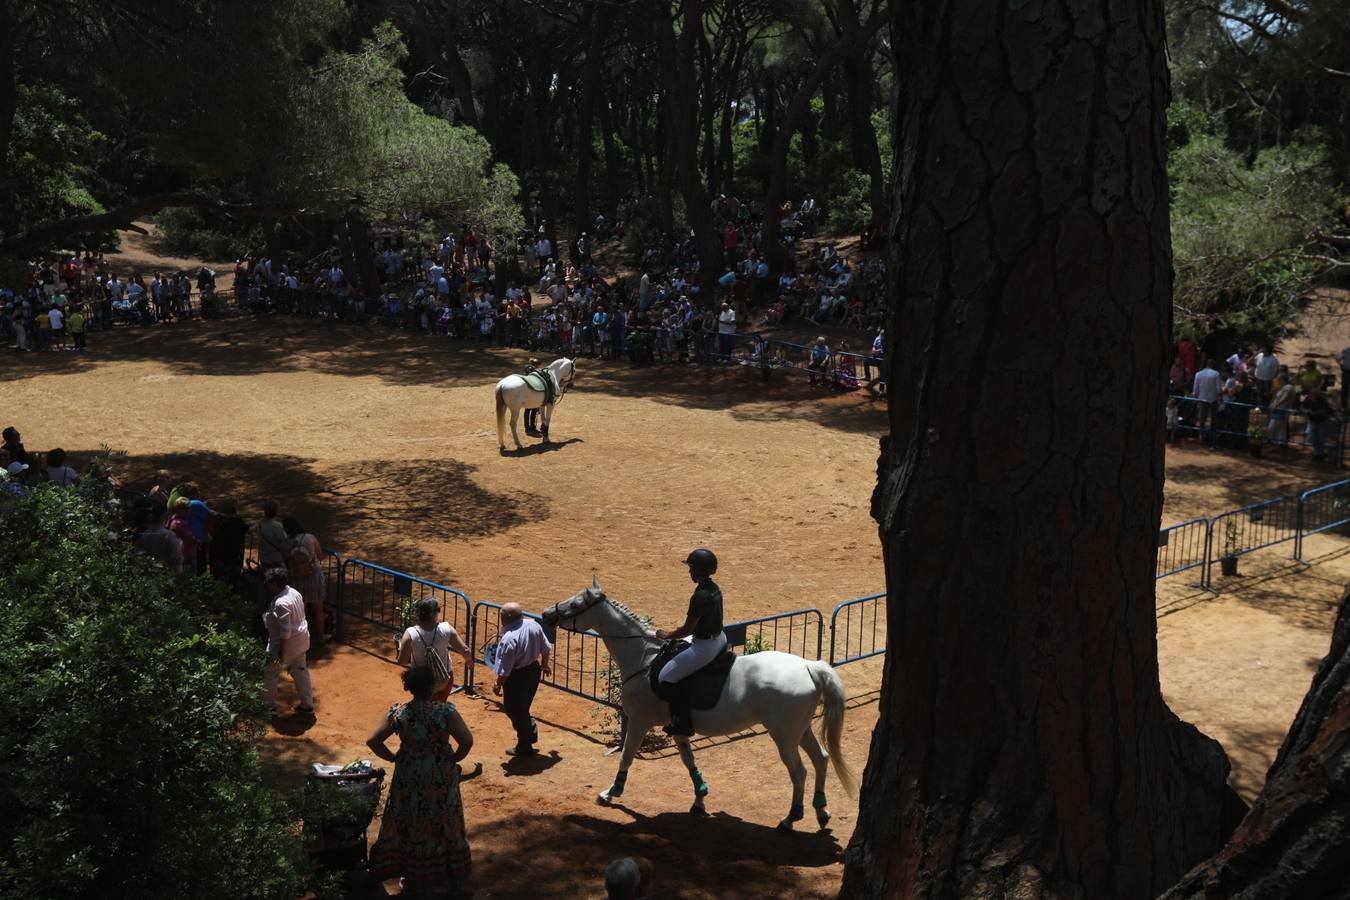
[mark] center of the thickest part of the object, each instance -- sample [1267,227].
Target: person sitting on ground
[429,643]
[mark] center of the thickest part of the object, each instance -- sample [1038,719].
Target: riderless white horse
[778,690]
[517,393]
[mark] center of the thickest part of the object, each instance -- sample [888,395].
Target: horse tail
[831,687]
[501,416]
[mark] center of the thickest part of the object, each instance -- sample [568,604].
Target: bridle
[593,598]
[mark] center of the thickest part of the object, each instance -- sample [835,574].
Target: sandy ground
[383,443]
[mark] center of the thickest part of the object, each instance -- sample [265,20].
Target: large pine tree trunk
[1295,842]
[599,21]
[1023,747]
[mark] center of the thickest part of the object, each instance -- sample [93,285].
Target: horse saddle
[542,382]
[704,688]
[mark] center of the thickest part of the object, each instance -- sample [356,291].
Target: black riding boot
[531,421]
[681,718]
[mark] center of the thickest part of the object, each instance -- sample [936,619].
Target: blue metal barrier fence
[800,631]
[1321,509]
[1183,546]
[386,598]
[864,631]
[1252,527]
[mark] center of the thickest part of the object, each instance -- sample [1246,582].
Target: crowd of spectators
[1250,397]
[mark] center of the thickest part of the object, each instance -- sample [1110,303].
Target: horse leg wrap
[700,786]
[620,780]
[796,813]
[818,800]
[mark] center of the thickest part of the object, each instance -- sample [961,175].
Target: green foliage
[52,160]
[849,209]
[756,643]
[1239,229]
[355,141]
[127,723]
[184,231]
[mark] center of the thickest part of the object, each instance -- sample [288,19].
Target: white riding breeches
[701,652]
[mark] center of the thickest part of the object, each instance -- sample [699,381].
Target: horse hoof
[823,817]
[785,826]
[698,810]
[603,798]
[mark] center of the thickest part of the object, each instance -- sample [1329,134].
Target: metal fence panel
[800,632]
[1254,527]
[1181,547]
[385,597]
[863,631]
[1322,509]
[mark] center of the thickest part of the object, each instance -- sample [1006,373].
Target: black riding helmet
[702,561]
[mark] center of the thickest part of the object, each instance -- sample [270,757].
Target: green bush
[128,722]
[184,231]
[848,209]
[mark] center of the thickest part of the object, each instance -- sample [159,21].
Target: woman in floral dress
[422,835]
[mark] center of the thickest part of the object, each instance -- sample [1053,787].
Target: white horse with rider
[780,691]
[517,392]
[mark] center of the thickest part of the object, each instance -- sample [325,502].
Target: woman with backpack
[305,561]
[428,643]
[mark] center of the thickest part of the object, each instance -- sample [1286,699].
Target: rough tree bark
[1295,842]
[675,59]
[598,20]
[850,37]
[1023,747]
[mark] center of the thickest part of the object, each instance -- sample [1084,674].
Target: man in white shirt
[287,642]
[1266,368]
[427,639]
[726,327]
[1207,389]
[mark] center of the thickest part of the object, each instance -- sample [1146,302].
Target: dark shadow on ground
[538,448]
[1264,480]
[1282,588]
[381,509]
[718,856]
[249,345]
[516,766]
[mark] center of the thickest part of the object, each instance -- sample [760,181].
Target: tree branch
[122,218]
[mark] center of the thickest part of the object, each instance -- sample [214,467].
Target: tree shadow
[249,345]
[717,856]
[379,508]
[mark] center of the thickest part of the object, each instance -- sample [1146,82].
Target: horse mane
[622,608]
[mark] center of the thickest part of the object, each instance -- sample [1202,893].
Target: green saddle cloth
[540,381]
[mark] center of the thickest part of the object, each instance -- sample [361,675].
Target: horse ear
[595,584]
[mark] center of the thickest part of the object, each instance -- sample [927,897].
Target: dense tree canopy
[644,110]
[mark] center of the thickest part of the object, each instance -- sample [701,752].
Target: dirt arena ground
[383,444]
